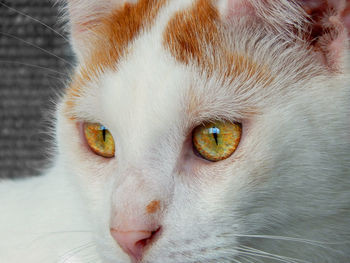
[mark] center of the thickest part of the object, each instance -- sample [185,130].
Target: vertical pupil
[215,131]
[103,133]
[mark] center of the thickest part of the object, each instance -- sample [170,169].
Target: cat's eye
[216,141]
[99,139]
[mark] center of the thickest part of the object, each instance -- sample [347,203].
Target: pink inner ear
[346,16]
[330,20]
[311,5]
[236,8]
[337,46]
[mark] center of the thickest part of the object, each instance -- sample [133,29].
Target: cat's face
[153,71]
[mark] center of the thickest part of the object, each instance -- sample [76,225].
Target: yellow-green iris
[99,139]
[216,141]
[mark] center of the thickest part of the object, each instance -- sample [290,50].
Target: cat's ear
[229,9]
[84,16]
[325,24]
[329,30]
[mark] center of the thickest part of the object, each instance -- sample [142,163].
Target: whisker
[34,66]
[74,251]
[48,235]
[249,259]
[254,250]
[266,256]
[294,239]
[93,259]
[36,20]
[244,259]
[271,254]
[320,244]
[257,259]
[236,260]
[35,46]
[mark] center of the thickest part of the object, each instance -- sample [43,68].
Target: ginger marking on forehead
[110,40]
[197,35]
[121,27]
[188,29]
[153,207]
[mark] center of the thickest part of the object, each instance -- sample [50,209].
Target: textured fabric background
[31,75]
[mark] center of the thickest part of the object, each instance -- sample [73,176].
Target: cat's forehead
[148,40]
[187,31]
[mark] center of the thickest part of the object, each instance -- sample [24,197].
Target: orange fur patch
[153,207]
[197,36]
[189,29]
[110,39]
[194,36]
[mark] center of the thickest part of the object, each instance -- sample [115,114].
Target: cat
[194,131]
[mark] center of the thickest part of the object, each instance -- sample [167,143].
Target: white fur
[288,179]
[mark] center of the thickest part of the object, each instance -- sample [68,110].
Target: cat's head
[228,119]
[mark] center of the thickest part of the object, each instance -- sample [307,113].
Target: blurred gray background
[32,72]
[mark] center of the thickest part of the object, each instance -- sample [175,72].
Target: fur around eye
[99,139]
[216,141]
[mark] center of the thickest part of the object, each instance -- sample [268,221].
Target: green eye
[216,141]
[99,139]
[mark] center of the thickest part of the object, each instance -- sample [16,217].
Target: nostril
[134,242]
[150,239]
[156,233]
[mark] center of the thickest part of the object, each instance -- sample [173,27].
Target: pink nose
[134,242]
